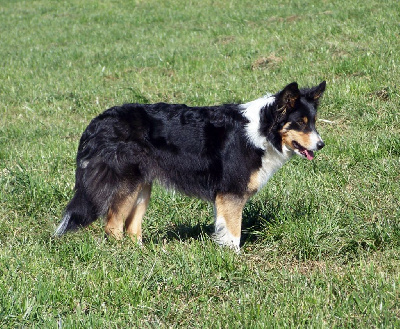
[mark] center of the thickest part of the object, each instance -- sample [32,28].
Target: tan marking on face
[290,135]
[285,127]
[230,207]
[305,120]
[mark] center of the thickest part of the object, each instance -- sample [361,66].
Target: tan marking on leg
[133,222]
[114,225]
[254,183]
[230,208]
[119,211]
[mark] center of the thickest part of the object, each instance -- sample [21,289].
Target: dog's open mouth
[303,151]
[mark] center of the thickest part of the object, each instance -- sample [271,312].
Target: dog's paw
[223,240]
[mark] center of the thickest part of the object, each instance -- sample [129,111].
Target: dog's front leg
[228,210]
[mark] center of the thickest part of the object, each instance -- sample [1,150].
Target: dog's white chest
[272,161]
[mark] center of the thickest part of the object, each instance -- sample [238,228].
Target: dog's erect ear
[317,91]
[288,96]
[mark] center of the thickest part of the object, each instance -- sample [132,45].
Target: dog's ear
[317,91]
[288,96]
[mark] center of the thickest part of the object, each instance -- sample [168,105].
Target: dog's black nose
[320,145]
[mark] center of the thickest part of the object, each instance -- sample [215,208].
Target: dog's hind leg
[122,206]
[127,210]
[228,219]
[133,223]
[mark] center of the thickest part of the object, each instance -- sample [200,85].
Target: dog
[223,154]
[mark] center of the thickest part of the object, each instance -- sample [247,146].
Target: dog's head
[296,111]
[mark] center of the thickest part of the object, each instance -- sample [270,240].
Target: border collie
[223,154]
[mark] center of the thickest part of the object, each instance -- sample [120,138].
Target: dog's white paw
[225,239]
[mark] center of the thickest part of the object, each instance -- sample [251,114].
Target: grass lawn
[321,245]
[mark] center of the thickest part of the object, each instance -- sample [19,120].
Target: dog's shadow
[254,219]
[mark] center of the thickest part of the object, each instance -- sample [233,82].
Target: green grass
[322,240]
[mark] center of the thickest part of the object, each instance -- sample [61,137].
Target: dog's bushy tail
[95,187]
[80,212]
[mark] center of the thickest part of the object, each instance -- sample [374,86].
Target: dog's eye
[301,123]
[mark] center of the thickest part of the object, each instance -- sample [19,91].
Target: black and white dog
[223,154]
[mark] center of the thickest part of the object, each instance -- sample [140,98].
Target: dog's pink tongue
[309,154]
